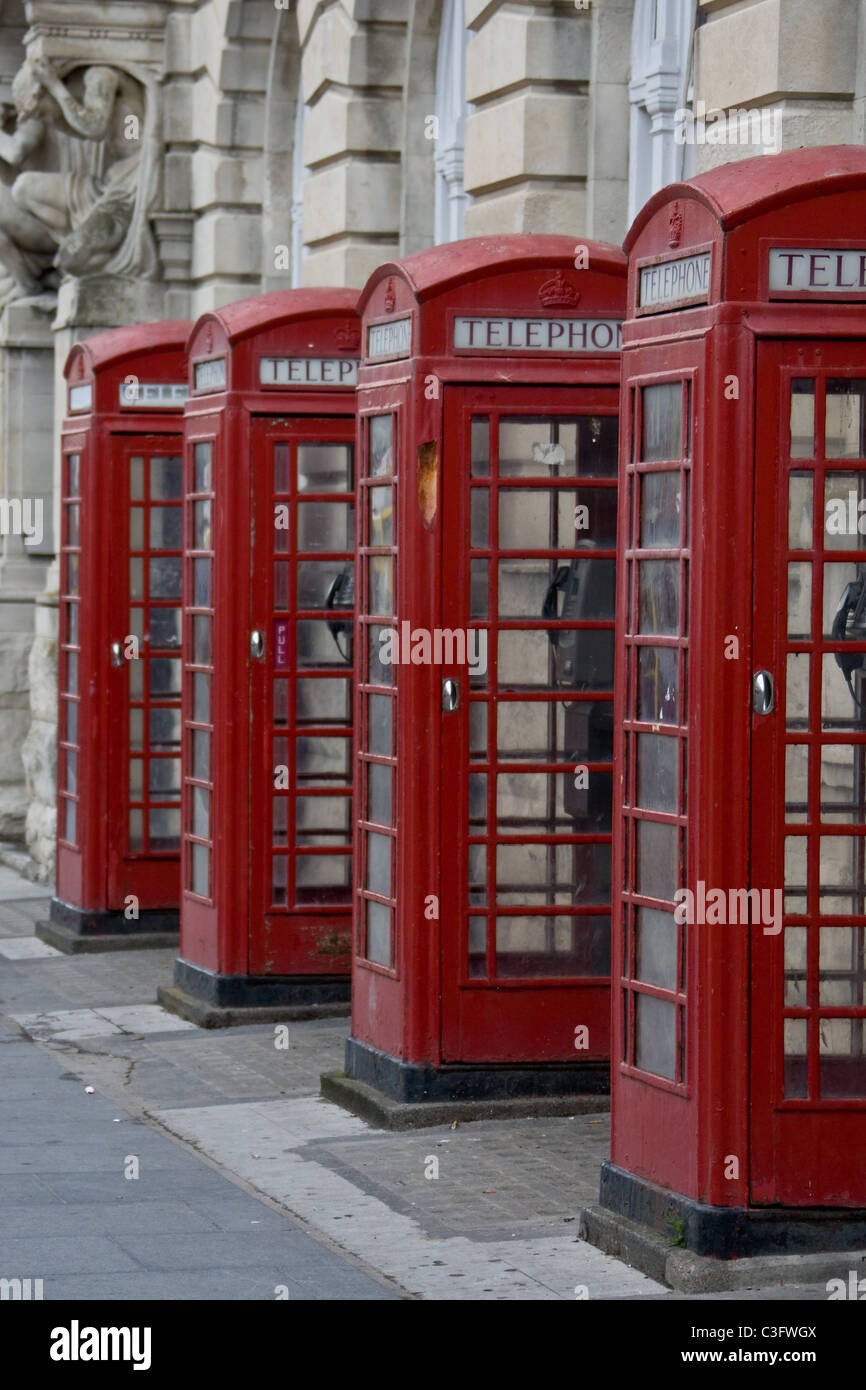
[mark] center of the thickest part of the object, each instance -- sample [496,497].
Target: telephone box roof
[444,267]
[265,311]
[746,188]
[115,344]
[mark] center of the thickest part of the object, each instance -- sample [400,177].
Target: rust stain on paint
[428,482]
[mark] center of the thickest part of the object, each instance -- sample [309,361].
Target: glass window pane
[843,874]
[323,701]
[656,860]
[281,468]
[655,1035]
[660,510]
[843,783]
[164,779]
[316,645]
[381,445]
[800,489]
[797,782]
[165,577]
[201,592]
[656,759]
[480,448]
[164,725]
[662,422]
[379,780]
[203,481]
[842,693]
[316,579]
[164,828]
[538,946]
[657,685]
[201,755]
[136,479]
[323,760]
[802,418]
[378,933]
[136,528]
[201,698]
[797,691]
[200,865]
[202,535]
[165,627]
[845,511]
[800,600]
[166,479]
[200,801]
[844,419]
[380,501]
[380,585]
[325,468]
[165,675]
[379,864]
[479,526]
[658,597]
[656,947]
[322,820]
[380,710]
[326,526]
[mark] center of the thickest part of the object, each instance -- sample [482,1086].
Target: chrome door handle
[763,693]
[450,696]
[257,644]
[116,650]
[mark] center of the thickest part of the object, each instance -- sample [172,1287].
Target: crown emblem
[675,226]
[348,338]
[390,297]
[208,338]
[77,368]
[557,293]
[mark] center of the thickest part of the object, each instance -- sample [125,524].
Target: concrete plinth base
[75,930]
[686,1272]
[212,1000]
[412,1082]
[698,1248]
[383,1112]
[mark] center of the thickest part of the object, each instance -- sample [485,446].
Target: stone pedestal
[26,411]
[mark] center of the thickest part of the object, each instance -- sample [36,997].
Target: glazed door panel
[300,674]
[141,669]
[528,597]
[808,1063]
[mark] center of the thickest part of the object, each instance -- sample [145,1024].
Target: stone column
[527,73]
[26,415]
[352,64]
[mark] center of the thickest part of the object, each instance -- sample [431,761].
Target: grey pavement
[248,1181]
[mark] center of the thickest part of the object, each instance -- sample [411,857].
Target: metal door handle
[450,696]
[116,650]
[763,693]
[257,644]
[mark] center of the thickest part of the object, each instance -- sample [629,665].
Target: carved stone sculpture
[91,214]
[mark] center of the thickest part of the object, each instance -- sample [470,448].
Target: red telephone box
[487,437]
[269,604]
[739,1086]
[118,772]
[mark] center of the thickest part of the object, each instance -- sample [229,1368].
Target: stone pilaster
[527,73]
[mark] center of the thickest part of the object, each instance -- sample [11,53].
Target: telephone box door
[808,999]
[528,585]
[302,605]
[142,666]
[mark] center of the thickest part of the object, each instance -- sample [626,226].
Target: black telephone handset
[341,598]
[849,625]
[582,660]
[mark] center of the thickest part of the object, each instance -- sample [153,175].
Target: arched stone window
[450,197]
[660,50]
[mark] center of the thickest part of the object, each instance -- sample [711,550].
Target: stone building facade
[302,142]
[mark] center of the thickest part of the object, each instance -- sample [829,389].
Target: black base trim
[82,922]
[731,1233]
[419,1081]
[259,991]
